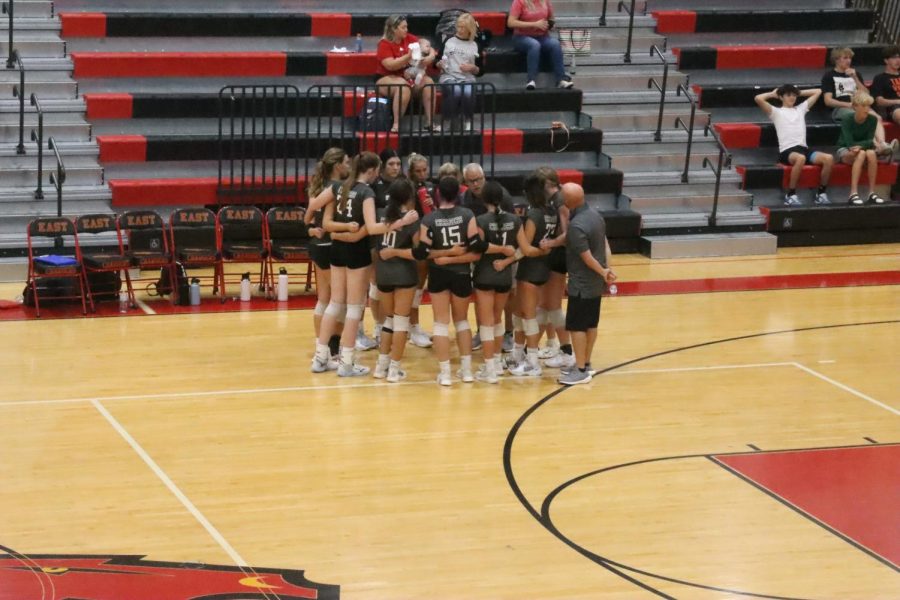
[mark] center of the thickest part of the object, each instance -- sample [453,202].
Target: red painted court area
[854,491]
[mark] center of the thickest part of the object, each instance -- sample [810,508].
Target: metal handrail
[630,12]
[723,163]
[19,91]
[603,15]
[39,138]
[8,8]
[689,128]
[59,178]
[886,29]
[657,136]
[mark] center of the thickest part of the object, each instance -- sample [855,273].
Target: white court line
[846,388]
[144,307]
[171,485]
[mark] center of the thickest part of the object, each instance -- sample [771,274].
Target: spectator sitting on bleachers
[531,22]
[886,86]
[459,69]
[790,127]
[394,56]
[857,146]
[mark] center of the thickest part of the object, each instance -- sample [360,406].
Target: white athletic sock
[346,356]
[466,361]
[532,357]
[322,351]
[445,366]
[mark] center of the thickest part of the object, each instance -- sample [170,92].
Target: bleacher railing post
[39,138]
[19,91]
[630,12]
[9,8]
[59,178]
[689,128]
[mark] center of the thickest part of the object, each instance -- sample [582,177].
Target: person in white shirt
[790,127]
[459,68]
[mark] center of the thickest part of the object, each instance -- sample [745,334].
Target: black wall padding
[622,223]
[783,20]
[699,57]
[843,237]
[166,148]
[763,177]
[207,25]
[165,106]
[835,218]
[580,140]
[373,25]
[314,63]
[540,100]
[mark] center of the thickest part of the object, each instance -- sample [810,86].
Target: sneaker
[395,374]
[575,377]
[560,361]
[444,379]
[889,149]
[548,351]
[364,342]
[486,376]
[792,200]
[321,366]
[875,199]
[591,369]
[855,199]
[381,368]
[419,338]
[465,375]
[433,128]
[476,341]
[530,85]
[352,370]
[822,198]
[565,84]
[524,369]
[508,342]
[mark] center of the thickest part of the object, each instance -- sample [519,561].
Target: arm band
[476,244]
[421,251]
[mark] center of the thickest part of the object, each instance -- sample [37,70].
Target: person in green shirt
[856,146]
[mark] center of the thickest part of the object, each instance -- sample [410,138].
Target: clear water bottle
[195,292]
[123,302]
[245,287]
[359,43]
[613,289]
[282,285]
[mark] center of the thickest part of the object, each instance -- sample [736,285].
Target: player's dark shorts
[390,289]
[353,255]
[558,260]
[535,271]
[491,287]
[784,157]
[582,313]
[441,280]
[321,255]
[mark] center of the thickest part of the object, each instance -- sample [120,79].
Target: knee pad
[486,332]
[355,311]
[461,326]
[517,323]
[558,318]
[374,294]
[441,330]
[531,327]
[541,316]
[335,310]
[388,326]
[417,298]
[401,324]
[320,308]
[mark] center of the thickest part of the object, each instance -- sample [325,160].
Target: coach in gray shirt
[587,257]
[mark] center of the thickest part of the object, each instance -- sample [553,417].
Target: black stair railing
[689,127]
[887,19]
[8,8]
[38,136]
[652,82]
[724,162]
[59,178]
[19,90]
[630,11]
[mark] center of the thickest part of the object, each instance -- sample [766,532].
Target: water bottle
[282,285]
[245,287]
[195,292]
[613,289]
[123,302]
[359,43]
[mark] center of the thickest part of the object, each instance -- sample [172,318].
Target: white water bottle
[282,285]
[123,302]
[613,289]
[245,287]
[195,292]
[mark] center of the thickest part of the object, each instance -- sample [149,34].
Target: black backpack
[376,115]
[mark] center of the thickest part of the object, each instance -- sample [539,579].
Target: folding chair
[194,243]
[287,238]
[241,231]
[147,245]
[112,260]
[63,261]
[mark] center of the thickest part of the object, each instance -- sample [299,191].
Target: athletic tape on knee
[417,298]
[374,293]
[388,325]
[319,310]
[542,316]
[442,330]
[531,327]
[487,332]
[355,311]
[461,326]
[401,324]
[517,323]
[335,310]
[558,318]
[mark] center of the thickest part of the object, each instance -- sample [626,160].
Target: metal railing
[19,90]
[603,14]
[259,140]
[887,19]
[9,8]
[689,127]
[39,138]
[724,162]
[657,136]
[59,178]
[630,12]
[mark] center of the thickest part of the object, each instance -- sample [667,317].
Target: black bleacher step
[834,218]
[783,20]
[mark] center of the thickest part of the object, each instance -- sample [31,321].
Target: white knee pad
[388,325]
[401,324]
[486,332]
[355,311]
[531,327]
[461,326]
[374,293]
[441,330]
[417,298]
[558,318]
[517,323]
[542,316]
[320,308]
[335,310]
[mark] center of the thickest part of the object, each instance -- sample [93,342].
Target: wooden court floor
[203,439]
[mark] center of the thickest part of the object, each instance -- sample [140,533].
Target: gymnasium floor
[736,443]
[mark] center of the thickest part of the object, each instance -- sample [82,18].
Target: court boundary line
[846,388]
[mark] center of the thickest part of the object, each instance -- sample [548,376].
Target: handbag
[575,41]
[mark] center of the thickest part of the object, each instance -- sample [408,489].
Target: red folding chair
[147,246]
[59,260]
[241,234]
[108,256]
[194,242]
[287,238]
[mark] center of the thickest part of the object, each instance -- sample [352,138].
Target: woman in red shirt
[531,21]
[394,56]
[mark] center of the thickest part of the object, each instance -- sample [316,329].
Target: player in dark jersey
[334,167]
[493,277]
[418,174]
[540,223]
[396,277]
[446,238]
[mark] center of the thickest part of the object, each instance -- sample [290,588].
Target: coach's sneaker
[419,338]
[321,366]
[560,361]
[465,373]
[792,200]
[574,377]
[364,342]
[524,369]
[381,366]
[352,370]
[395,374]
